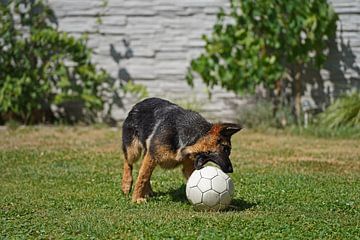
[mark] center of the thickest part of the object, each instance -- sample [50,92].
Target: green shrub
[260,41]
[325,132]
[339,120]
[261,115]
[42,68]
[139,90]
[258,115]
[344,112]
[191,103]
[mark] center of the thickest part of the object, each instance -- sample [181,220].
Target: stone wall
[341,73]
[153,41]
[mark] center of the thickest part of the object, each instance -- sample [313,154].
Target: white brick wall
[165,35]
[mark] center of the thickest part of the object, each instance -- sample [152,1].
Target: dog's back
[152,114]
[140,121]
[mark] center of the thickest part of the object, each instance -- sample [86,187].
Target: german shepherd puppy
[168,135]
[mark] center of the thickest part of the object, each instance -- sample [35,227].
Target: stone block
[166,35]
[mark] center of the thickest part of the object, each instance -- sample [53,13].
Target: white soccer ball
[209,189]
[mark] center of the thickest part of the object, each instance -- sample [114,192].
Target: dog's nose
[229,169]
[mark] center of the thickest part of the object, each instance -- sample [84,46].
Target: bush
[339,120]
[344,112]
[41,68]
[261,115]
[259,42]
[325,132]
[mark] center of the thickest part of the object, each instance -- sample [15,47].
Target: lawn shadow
[178,195]
[239,204]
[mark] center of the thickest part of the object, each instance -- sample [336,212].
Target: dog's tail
[132,149]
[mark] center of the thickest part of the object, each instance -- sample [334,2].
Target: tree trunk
[276,98]
[298,94]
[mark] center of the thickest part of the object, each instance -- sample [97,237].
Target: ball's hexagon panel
[209,172]
[231,188]
[204,184]
[211,198]
[219,184]
[195,195]
[225,198]
[222,174]
[194,179]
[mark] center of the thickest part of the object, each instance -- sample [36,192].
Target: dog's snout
[227,166]
[228,169]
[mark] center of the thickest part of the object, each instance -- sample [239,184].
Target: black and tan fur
[168,135]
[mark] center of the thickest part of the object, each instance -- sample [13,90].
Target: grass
[64,183]
[318,130]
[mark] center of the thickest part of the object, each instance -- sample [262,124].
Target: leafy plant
[261,115]
[344,112]
[41,68]
[191,103]
[321,131]
[257,115]
[260,41]
[136,89]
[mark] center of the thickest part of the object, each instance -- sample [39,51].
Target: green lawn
[64,183]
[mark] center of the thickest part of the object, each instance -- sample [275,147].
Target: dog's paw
[139,200]
[149,192]
[126,185]
[126,190]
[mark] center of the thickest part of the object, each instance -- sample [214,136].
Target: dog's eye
[226,148]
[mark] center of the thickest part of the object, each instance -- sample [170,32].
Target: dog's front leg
[188,168]
[142,186]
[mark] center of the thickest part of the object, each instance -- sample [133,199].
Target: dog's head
[215,146]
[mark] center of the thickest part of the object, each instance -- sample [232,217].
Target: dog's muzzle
[222,161]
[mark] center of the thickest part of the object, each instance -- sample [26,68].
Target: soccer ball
[209,189]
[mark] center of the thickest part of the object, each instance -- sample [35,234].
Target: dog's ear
[184,153]
[228,129]
[200,161]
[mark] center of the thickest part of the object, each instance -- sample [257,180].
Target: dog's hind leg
[127,180]
[142,186]
[132,152]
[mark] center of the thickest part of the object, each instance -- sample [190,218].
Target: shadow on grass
[178,195]
[240,205]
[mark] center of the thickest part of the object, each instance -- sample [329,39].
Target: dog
[168,135]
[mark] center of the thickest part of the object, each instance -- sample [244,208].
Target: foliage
[191,103]
[286,187]
[12,124]
[259,41]
[344,112]
[41,67]
[137,89]
[262,115]
[257,115]
[320,131]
